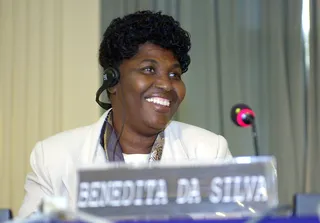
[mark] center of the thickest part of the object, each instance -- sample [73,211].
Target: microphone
[243,116]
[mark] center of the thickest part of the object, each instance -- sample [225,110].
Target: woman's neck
[133,142]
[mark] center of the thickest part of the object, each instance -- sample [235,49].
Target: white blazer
[54,160]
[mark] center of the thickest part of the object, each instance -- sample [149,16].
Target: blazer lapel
[69,181]
[87,156]
[173,147]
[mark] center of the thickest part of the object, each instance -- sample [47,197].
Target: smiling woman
[152,90]
[143,55]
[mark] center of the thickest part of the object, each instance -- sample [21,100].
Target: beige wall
[48,77]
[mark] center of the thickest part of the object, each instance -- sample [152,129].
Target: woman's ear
[112,90]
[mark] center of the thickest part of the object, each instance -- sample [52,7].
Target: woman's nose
[163,82]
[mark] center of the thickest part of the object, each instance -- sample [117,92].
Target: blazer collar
[92,142]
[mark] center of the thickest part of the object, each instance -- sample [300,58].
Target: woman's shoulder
[195,140]
[63,145]
[73,140]
[188,129]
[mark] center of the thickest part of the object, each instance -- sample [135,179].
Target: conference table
[312,219]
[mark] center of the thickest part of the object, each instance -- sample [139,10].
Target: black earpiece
[111,77]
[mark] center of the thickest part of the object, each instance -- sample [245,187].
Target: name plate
[246,185]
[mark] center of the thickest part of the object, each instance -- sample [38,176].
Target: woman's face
[150,89]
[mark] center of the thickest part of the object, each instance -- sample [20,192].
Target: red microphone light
[242,115]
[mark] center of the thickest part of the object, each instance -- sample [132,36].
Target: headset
[111,77]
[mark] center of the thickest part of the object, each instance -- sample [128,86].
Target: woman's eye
[148,70]
[175,75]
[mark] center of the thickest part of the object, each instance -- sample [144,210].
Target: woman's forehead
[152,51]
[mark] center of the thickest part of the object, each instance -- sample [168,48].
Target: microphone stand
[255,138]
[250,120]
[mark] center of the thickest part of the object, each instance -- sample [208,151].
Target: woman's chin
[158,125]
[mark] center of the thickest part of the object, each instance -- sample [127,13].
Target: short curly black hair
[122,38]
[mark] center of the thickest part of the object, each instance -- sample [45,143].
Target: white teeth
[160,101]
